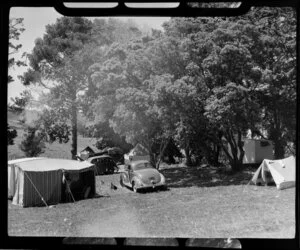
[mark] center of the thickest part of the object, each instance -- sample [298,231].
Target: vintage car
[140,175]
[104,164]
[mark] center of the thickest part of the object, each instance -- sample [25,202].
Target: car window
[143,165]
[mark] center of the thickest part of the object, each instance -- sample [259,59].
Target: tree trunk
[241,150]
[188,156]
[216,154]
[162,150]
[74,130]
[236,156]
[279,149]
[152,159]
[276,135]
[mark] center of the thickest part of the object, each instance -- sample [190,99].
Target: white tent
[280,172]
[139,152]
[42,181]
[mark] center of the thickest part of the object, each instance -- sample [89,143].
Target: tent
[87,152]
[280,172]
[45,181]
[139,152]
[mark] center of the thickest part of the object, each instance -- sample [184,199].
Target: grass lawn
[219,207]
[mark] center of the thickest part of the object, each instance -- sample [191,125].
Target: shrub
[11,135]
[33,143]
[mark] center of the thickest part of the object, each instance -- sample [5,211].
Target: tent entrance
[265,178]
[78,185]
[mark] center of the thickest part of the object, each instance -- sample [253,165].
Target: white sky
[35,20]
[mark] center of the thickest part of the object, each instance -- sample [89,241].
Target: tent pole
[42,198]
[68,187]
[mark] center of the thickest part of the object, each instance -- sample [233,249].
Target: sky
[35,21]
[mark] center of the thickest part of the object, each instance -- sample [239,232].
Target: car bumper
[154,186]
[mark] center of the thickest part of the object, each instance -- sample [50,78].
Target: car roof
[98,157]
[134,163]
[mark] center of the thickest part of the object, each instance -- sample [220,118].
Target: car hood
[148,175]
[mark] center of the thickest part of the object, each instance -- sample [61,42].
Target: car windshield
[142,165]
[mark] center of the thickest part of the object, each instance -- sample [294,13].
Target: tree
[107,138]
[11,135]
[276,60]
[33,144]
[135,118]
[231,110]
[15,30]
[246,62]
[53,125]
[57,62]
[19,103]
[141,93]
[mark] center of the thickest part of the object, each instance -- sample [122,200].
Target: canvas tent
[139,152]
[45,181]
[280,172]
[87,152]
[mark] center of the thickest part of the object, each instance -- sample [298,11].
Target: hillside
[52,150]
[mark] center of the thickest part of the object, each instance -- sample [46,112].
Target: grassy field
[204,210]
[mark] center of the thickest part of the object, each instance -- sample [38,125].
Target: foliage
[33,142]
[251,84]
[19,103]
[15,30]
[107,138]
[277,90]
[53,125]
[202,83]
[11,135]
[61,62]
[57,63]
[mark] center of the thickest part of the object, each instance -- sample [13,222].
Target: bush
[33,143]
[11,135]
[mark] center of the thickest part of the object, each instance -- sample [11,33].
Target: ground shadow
[205,176]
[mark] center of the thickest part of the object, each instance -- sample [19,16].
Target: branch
[41,83]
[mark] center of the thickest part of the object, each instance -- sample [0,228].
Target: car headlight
[162,179]
[139,182]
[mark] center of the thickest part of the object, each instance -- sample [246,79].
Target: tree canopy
[201,83]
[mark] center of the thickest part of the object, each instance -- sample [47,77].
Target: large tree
[275,55]
[15,30]
[248,66]
[58,62]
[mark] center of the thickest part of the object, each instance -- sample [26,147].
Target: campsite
[196,117]
[192,207]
